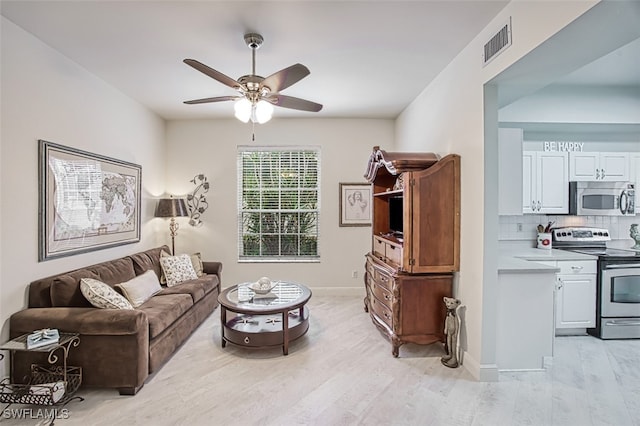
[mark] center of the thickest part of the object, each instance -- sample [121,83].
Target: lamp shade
[171,207]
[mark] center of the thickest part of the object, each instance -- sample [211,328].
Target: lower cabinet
[576,301]
[575,294]
[406,308]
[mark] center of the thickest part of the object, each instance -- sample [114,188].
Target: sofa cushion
[196,288]
[177,269]
[140,289]
[114,272]
[102,295]
[164,311]
[149,259]
[65,289]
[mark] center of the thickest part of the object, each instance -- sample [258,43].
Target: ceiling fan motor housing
[253,40]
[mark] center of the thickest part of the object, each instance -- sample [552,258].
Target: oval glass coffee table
[256,320]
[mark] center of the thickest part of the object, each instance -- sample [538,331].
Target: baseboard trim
[482,373]
[338,291]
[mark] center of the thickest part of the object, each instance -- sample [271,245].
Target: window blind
[278,203]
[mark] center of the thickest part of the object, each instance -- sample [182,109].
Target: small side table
[43,387]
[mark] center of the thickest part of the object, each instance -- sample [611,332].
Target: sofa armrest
[212,268]
[86,321]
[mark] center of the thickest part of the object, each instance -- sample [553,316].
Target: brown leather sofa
[118,348]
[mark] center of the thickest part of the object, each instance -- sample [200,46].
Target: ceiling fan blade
[216,75]
[293,103]
[286,77]
[214,99]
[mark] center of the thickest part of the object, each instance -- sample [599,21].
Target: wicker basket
[47,386]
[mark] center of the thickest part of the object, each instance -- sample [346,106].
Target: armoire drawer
[383,279]
[381,311]
[381,293]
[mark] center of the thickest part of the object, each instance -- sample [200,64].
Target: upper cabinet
[599,166]
[545,182]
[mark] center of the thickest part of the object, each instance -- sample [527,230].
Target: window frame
[243,150]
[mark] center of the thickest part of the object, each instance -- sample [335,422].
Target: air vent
[498,43]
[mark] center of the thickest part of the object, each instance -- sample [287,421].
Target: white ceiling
[618,68]
[367,58]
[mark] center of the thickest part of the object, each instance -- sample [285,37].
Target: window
[278,203]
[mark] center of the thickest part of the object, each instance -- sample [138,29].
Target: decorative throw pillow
[140,289]
[196,262]
[177,269]
[101,295]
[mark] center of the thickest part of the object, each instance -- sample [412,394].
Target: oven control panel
[581,234]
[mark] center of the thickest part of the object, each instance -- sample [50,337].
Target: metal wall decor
[86,201]
[196,201]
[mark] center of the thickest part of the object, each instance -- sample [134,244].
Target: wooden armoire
[415,244]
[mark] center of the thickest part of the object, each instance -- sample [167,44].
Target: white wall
[448,117]
[576,104]
[46,96]
[210,147]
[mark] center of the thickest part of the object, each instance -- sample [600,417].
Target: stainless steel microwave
[602,199]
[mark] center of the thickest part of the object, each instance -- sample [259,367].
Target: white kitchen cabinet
[545,182]
[576,301]
[634,175]
[599,166]
[509,172]
[575,293]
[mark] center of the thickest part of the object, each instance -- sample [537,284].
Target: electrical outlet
[354,274]
[519,227]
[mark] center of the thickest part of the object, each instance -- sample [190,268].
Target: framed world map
[87,201]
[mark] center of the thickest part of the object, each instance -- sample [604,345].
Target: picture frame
[355,204]
[86,201]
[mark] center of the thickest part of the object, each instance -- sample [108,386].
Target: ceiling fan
[257,95]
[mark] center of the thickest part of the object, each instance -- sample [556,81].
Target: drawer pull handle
[246,340]
[386,297]
[577,268]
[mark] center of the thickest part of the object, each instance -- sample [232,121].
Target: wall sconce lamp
[172,207]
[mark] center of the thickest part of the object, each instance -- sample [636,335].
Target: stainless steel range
[618,281]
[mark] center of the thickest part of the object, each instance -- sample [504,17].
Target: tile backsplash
[523,227]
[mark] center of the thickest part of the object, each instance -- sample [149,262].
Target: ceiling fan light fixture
[263,112]
[243,110]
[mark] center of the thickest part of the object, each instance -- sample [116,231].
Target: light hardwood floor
[342,373]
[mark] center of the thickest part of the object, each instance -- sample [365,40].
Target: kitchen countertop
[526,260]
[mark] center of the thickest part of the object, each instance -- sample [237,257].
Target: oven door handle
[623,266]
[623,322]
